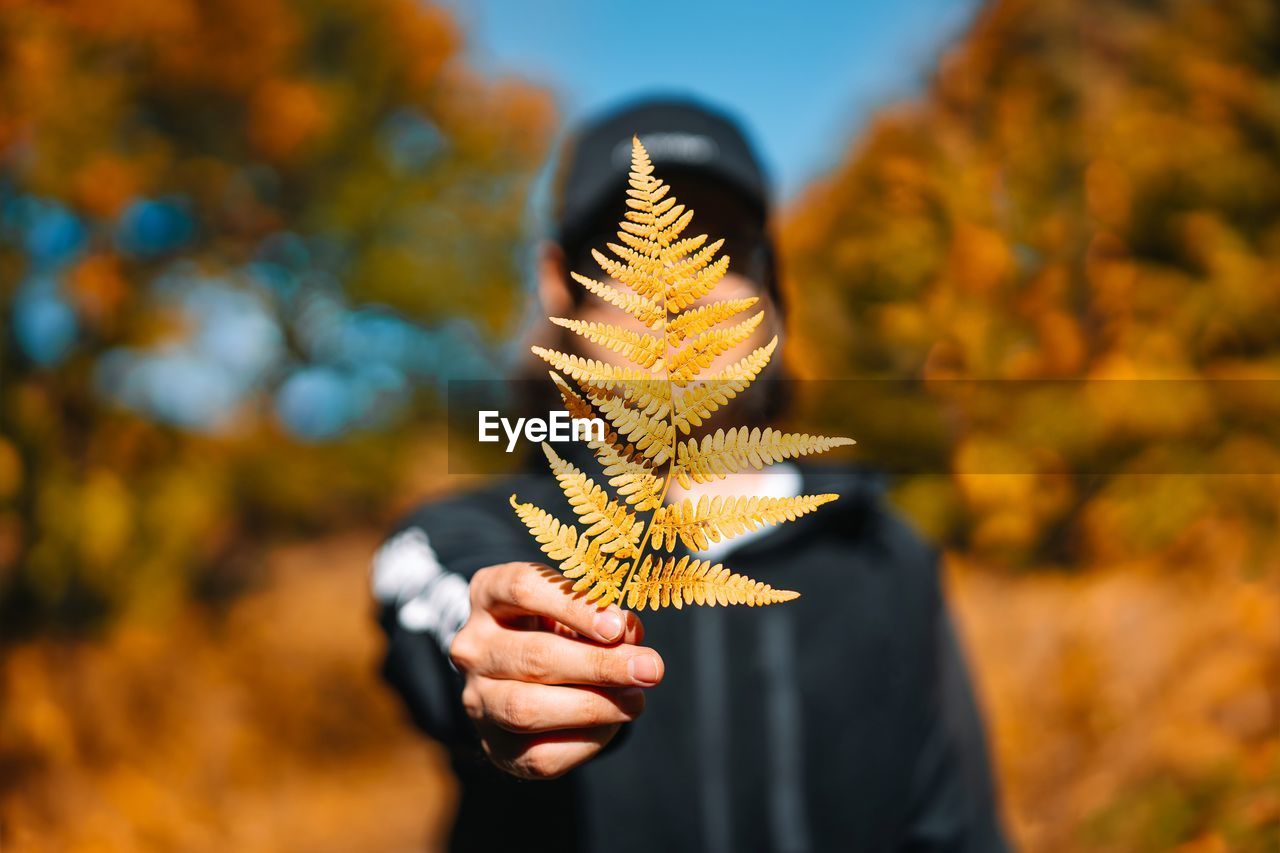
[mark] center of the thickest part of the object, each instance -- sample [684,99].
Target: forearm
[422,606]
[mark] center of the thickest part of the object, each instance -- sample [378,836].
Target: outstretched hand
[550,678]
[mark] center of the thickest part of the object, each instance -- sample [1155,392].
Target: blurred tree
[1057,276]
[226,226]
[1086,192]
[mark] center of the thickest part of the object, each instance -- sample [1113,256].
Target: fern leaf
[701,399]
[681,249]
[652,397]
[700,319]
[588,370]
[635,483]
[640,263]
[639,348]
[558,540]
[749,366]
[685,260]
[651,435]
[672,225]
[689,289]
[723,453]
[639,254]
[708,346]
[645,310]
[661,277]
[676,582]
[623,463]
[709,520]
[580,558]
[612,525]
[643,281]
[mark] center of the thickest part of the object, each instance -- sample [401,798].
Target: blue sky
[803,75]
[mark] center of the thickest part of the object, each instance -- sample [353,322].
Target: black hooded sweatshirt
[843,720]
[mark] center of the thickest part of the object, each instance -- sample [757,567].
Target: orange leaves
[99,287]
[980,260]
[106,182]
[286,117]
[1031,220]
[1151,682]
[1108,219]
[156,150]
[427,36]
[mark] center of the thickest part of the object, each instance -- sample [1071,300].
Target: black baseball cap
[683,138]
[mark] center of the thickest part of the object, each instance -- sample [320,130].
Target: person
[843,720]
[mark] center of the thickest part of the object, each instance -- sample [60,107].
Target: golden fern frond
[639,348]
[580,557]
[651,435]
[707,395]
[700,352]
[658,276]
[727,452]
[645,310]
[677,582]
[643,280]
[623,463]
[612,525]
[635,483]
[589,370]
[608,587]
[749,366]
[577,407]
[651,397]
[673,224]
[702,318]
[640,250]
[690,288]
[709,520]
[558,540]
[689,255]
[702,398]
[641,256]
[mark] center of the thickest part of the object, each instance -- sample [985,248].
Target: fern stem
[671,463]
[662,499]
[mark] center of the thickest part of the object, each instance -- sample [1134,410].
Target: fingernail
[608,624]
[643,668]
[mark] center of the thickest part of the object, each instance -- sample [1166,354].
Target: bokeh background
[245,243]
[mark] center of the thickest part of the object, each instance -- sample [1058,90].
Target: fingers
[544,658]
[545,756]
[522,708]
[633,633]
[549,677]
[516,589]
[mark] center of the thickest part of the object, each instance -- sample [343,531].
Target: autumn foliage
[241,241]
[1070,249]
[244,242]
